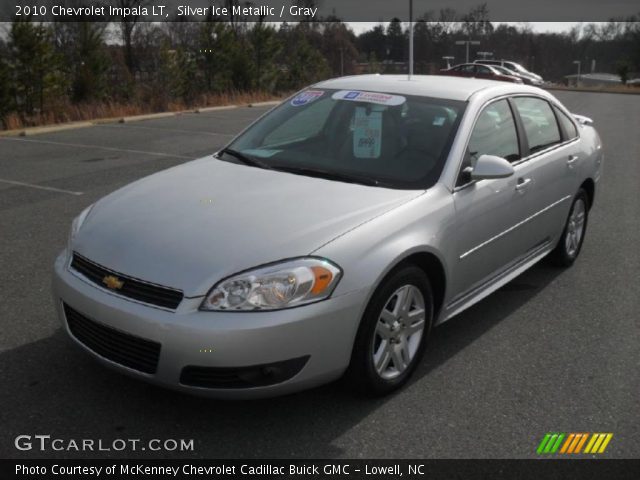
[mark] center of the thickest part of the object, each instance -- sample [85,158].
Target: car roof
[435,86]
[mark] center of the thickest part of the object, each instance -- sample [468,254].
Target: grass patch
[630,89]
[65,112]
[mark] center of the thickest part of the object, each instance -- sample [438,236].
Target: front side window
[391,140]
[539,122]
[495,133]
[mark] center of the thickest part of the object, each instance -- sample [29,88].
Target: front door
[489,212]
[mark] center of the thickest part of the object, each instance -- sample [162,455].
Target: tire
[575,228]
[388,335]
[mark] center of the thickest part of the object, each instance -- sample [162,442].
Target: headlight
[283,285]
[77,224]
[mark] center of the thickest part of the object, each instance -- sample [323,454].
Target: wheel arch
[589,186]
[433,267]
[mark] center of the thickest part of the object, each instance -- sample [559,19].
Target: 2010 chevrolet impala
[330,236]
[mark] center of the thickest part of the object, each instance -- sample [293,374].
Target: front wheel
[393,332]
[572,237]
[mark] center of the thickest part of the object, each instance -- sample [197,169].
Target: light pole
[447,59]
[410,38]
[467,43]
[577,62]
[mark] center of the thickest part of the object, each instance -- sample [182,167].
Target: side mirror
[490,166]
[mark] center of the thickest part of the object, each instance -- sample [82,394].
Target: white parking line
[82,145]
[40,187]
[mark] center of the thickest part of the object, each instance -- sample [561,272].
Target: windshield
[389,140]
[516,66]
[503,70]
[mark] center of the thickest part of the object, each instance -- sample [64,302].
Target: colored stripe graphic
[591,442]
[598,442]
[581,442]
[554,449]
[550,443]
[568,442]
[543,443]
[573,443]
[607,439]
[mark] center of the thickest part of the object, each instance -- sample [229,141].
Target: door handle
[572,159]
[522,184]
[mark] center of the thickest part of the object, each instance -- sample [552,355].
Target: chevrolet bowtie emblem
[114,283]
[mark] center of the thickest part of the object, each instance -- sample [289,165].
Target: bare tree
[128,26]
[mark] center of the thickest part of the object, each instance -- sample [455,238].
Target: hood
[192,225]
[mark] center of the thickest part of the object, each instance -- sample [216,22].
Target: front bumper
[321,333]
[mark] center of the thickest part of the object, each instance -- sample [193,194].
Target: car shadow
[53,388]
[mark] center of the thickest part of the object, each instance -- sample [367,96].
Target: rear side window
[539,122]
[466,68]
[568,126]
[495,133]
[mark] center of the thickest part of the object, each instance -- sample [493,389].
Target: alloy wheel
[575,228]
[398,332]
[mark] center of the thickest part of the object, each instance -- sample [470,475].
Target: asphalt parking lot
[553,350]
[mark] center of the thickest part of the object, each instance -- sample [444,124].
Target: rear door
[552,154]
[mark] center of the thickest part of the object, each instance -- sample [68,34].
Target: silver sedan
[330,236]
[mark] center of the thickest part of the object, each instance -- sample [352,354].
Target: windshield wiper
[254,162]
[319,173]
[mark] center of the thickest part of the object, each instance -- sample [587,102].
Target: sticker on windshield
[369,97]
[367,133]
[306,97]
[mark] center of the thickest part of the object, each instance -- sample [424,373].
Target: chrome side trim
[536,155]
[512,228]
[475,294]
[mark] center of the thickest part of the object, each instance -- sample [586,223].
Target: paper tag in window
[305,97]
[367,133]
[369,97]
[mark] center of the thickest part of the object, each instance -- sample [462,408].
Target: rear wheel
[393,332]
[572,237]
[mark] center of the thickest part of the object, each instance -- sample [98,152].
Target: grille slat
[104,342]
[125,346]
[123,357]
[119,347]
[132,287]
[109,342]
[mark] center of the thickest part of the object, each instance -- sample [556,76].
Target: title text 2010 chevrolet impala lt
[330,236]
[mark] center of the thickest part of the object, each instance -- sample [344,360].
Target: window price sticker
[367,133]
